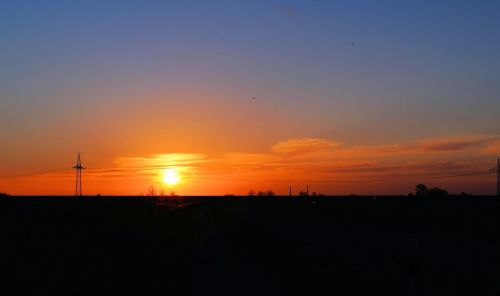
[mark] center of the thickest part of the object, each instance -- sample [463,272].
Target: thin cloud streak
[305,145]
[453,144]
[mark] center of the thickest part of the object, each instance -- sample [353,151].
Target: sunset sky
[363,97]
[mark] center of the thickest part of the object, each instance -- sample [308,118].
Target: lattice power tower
[498,176]
[78,167]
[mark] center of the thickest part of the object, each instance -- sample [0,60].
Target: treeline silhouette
[421,190]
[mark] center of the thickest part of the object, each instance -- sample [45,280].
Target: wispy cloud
[304,145]
[251,159]
[492,148]
[160,160]
[309,159]
[452,144]
[150,166]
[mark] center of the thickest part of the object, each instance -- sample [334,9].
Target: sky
[348,97]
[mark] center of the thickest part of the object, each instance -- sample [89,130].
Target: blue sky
[360,72]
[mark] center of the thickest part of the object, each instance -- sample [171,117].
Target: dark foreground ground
[245,246]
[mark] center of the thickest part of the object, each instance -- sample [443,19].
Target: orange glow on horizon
[326,166]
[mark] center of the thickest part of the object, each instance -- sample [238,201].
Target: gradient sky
[344,91]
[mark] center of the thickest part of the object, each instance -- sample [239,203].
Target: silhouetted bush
[435,192]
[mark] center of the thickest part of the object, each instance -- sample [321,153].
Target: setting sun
[171,176]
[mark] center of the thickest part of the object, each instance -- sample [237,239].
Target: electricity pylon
[498,176]
[78,167]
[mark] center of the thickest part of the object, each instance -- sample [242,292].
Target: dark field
[250,246]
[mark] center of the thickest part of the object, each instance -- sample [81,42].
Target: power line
[361,180]
[411,178]
[36,173]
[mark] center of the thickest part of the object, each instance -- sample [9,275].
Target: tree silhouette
[421,190]
[265,193]
[151,191]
